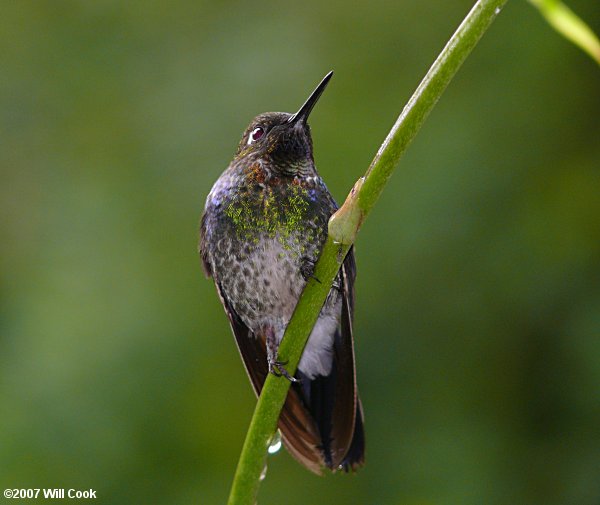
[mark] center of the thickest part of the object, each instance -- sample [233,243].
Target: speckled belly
[265,281]
[264,285]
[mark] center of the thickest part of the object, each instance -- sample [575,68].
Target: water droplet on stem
[275,444]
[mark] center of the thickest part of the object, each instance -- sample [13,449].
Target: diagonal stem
[343,228]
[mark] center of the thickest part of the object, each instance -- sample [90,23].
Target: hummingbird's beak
[304,112]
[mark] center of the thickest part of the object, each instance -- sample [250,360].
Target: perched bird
[261,233]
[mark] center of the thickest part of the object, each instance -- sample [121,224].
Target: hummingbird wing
[334,399]
[300,434]
[347,417]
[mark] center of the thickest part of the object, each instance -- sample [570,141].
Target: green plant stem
[343,227]
[570,26]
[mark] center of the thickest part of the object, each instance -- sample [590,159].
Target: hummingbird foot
[276,367]
[307,269]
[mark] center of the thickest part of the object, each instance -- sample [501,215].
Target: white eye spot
[255,135]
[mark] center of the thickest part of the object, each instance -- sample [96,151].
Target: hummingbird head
[282,139]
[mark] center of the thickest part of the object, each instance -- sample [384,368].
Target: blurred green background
[478,295]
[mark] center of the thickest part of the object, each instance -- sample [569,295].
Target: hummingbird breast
[261,235]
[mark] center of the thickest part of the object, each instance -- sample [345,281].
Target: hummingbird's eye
[256,134]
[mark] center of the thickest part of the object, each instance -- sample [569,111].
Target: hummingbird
[262,230]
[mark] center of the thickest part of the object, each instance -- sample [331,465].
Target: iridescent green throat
[273,212]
